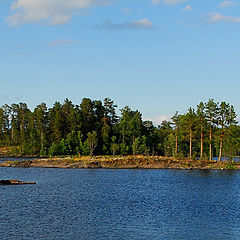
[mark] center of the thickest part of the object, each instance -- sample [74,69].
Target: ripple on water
[120,204]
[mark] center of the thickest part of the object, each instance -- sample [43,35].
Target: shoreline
[123,162]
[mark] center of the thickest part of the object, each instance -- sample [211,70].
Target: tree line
[93,128]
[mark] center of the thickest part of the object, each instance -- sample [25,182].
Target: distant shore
[123,162]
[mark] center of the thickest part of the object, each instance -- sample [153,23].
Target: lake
[120,204]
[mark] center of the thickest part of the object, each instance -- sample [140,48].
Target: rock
[93,165]
[14,182]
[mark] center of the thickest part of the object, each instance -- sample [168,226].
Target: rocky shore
[14,182]
[123,162]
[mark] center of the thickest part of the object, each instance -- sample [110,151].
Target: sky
[157,56]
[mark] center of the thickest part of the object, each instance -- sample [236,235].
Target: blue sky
[155,56]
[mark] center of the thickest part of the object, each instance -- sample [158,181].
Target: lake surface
[120,204]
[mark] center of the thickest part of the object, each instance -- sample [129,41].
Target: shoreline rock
[123,162]
[14,182]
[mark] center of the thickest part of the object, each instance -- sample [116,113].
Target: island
[94,136]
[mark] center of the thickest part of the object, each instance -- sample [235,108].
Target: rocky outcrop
[14,182]
[122,162]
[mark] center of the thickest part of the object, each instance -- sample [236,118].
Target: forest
[93,128]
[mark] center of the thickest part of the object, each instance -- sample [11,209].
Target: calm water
[120,204]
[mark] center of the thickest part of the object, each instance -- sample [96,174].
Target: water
[235,159]
[120,204]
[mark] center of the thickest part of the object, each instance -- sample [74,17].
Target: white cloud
[159,119]
[187,8]
[134,25]
[217,17]
[52,11]
[238,119]
[155,2]
[143,23]
[126,11]
[227,3]
[167,2]
[173,2]
[61,42]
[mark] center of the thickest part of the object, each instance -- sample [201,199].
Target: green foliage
[85,149]
[179,155]
[54,149]
[139,145]
[169,145]
[93,127]
[105,131]
[130,125]
[114,145]
[124,149]
[43,152]
[91,141]
[110,111]
[231,166]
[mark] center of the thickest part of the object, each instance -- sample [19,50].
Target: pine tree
[211,109]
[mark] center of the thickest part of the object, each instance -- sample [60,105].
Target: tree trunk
[190,145]
[176,144]
[21,138]
[210,144]
[221,146]
[201,154]
[153,152]
[12,136]
[91,152]
[41,137]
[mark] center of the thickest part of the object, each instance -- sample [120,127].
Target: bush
[231,166]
